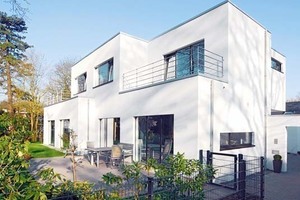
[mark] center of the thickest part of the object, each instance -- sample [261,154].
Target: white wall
[239,103]
[278,83]
[77,111]
[293,143]
[200,106]
[277,132]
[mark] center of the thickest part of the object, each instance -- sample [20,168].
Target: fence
[237,176]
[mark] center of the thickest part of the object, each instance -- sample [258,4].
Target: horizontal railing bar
[209,65]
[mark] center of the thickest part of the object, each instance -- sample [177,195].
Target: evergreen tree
[12,57]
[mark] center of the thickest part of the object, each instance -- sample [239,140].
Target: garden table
[98,151]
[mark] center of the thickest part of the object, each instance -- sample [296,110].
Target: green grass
[38,150]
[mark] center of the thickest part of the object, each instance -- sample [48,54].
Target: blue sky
[61,29]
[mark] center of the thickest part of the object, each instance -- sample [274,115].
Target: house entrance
[52,132]
[154,136]
[109,131]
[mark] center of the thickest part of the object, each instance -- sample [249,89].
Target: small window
[236,140]
[276,65]
[105,72]
[81,81]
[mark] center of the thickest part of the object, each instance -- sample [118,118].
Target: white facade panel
[278,137]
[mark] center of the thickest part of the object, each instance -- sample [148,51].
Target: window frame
[239,145]
[278,66]
[84,84]
[110,72]
[190,68]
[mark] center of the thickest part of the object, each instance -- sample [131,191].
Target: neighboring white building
[209,83]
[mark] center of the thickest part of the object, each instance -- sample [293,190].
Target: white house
[209,83]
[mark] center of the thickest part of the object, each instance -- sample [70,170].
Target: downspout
[265,99]
[88,120]
[211,139]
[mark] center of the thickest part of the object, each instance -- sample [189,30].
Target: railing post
[262,178]
[208,158]
[201,156]
[242,179]
[150,188]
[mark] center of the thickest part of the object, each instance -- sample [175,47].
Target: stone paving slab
[278,186]
[84,170]
[284,186]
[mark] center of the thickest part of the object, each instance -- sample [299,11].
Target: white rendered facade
[239,100]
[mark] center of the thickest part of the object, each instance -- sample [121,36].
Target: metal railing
[208,64]
[238,178]
[59,96]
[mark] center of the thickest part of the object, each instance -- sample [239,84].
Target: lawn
[38,150]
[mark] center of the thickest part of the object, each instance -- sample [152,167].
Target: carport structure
[283,137]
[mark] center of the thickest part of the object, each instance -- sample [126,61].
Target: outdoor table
[97,150]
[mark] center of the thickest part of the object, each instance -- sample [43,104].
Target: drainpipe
[88,120]
[211,139]
[265,100]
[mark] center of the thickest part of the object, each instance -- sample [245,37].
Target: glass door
[52,132]
[153,133]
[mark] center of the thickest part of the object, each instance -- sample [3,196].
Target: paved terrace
[282,186]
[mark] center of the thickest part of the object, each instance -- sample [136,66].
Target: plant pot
[277,164]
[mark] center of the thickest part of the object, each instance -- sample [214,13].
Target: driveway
[284,186]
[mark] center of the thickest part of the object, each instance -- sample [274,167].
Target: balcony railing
[208,64]
[59,96]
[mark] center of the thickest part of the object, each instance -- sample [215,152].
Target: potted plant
[277,163]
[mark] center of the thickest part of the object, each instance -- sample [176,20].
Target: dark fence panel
[238,177]
[241,178]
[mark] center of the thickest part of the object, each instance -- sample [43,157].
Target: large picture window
[52,132]
[105,72]
[236,140]
[186,61]
[154,137]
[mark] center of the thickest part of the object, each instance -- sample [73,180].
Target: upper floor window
[276,64]
[81,81]
[185,61]
[105,72]
[236,140]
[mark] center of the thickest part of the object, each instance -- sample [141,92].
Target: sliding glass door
[154,132]
[109,131]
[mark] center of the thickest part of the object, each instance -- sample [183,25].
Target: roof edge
[191,19]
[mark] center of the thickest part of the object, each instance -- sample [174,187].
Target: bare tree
[60,79]
[18,6]
[297,98]
[29,92]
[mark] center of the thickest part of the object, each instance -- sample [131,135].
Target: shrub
[277,157]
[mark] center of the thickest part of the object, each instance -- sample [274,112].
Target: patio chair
[91,154]
[167,150]
[116,156]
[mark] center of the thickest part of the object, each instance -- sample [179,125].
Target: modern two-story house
[209,83]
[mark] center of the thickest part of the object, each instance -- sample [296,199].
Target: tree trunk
[9,91]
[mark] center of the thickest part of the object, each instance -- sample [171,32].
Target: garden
[176,178]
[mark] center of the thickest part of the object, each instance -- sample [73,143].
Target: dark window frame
[110,72]
[81,87]
[276,65]
[232,139]
[195,64]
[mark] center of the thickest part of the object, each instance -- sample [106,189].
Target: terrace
[187,62]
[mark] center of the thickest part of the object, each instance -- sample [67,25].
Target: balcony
[175,67]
